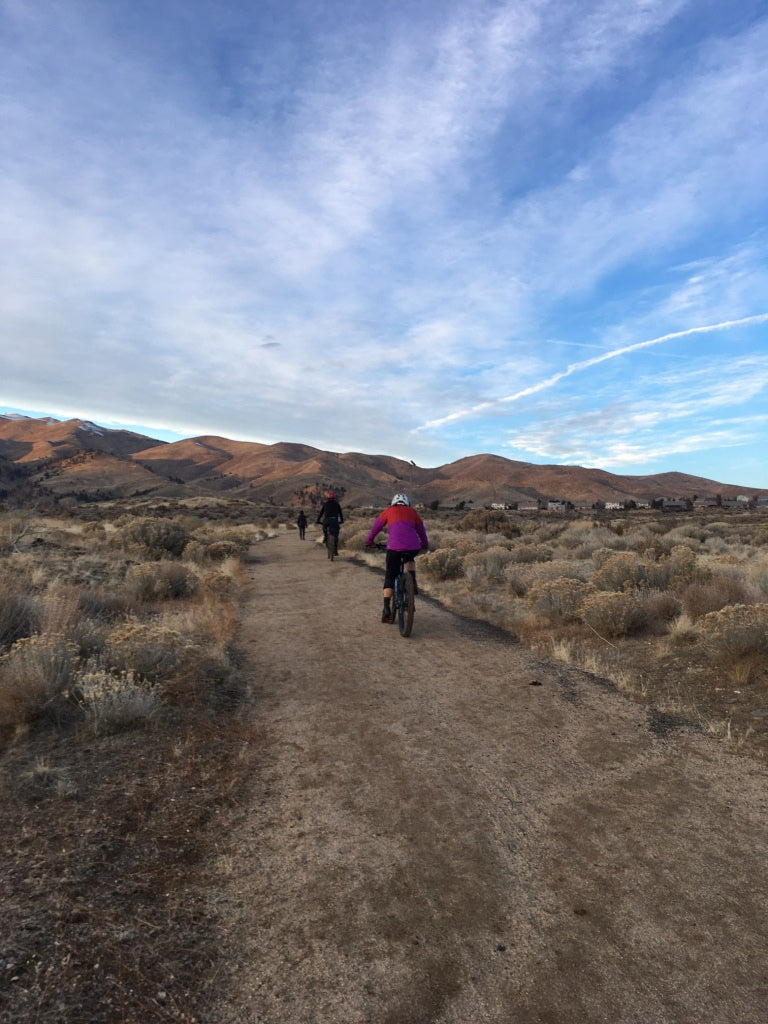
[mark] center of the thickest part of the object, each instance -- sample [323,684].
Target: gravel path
[446,829]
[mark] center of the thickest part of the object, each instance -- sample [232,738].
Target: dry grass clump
[115,702]
[33,674]
[18,614]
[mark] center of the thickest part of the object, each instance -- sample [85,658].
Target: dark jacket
[330,512]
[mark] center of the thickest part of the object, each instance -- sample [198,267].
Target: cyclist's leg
[410,566]
[391,569]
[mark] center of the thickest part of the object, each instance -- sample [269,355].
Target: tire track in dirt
[432,838]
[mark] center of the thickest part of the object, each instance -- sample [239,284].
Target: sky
[427,229]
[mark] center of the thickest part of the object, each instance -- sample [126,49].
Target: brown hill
[81,459]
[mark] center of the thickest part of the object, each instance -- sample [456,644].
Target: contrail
[586,363]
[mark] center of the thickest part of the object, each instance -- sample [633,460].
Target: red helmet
[330,494]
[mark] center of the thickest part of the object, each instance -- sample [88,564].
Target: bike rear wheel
[330,544]
[406,603]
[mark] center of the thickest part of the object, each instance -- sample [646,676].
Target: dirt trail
[449,830]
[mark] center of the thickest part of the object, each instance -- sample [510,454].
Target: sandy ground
[446,829]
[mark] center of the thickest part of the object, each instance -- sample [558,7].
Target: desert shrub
[722,589]
[757,574]
[221,550]
[356,541]
[103,605]
[658,609]
[486,566]
[611,614]
[621,569]
[114,703]
[559,600]
[443,564]
[150,650]
[737,638]
[35,671]
[160,581]
[157,538]
[18,615]
[489,521]
[526,554]
[684,567]
[736,631]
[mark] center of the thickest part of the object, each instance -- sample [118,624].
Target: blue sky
[425,229]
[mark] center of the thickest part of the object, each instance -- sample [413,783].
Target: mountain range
[81,460]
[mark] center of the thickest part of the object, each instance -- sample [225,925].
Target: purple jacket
[405,529]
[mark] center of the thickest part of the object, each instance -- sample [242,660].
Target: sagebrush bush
[156,538]
[526,554]
[489,521]
[621,569]
[487,565]
[443,564]
[35,671]
[736,631]
[612,614]
[151,650]
[559,600]
[160,581]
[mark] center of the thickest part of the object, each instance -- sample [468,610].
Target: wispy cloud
[586,364]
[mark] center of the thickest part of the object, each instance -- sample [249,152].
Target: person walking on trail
[301,522]
[406,535]
[331,517]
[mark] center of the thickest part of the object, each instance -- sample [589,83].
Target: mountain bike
[403,596]
[332,541]
[403,599]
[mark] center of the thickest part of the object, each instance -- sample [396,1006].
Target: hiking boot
[387,616]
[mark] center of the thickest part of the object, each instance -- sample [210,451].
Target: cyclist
[406,536]
[331,517]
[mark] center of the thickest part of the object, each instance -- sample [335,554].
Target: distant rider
[406,535]
[331,517]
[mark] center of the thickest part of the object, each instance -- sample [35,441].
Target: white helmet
[400,499]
